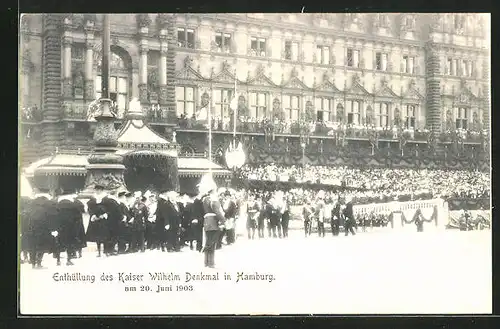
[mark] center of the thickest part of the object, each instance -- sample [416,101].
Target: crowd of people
[373,184]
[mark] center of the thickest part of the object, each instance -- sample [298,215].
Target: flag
[234,104]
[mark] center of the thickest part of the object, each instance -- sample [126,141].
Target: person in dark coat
[24,209]
[230,212]
[261,218]
[69,221]
[214,219]
[307,215]
[285,219]
[151,236]
[98,229]
[82,242]
[162,221]
[335,219]
[174,222]
[123,224]
[139,215]
[350,221]
[39,236]
[419,222]
[113,210]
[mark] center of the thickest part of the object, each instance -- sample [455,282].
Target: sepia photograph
[254,164]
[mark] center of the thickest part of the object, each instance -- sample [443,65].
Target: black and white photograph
[254,164]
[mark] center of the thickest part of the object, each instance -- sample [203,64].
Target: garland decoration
[418,213]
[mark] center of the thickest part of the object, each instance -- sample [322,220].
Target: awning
[75,164]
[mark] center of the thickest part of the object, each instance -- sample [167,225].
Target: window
[352,57]
[291,50]
[467,69]
[222,99]
[78,52]
[324,107]
[410,116]
[258,105]
[459,22]
[291,105]
[381,61]
[383,115]
[185,101]
[223,41]
[258,46]
[185,38]
[449,64]
[323,54]
[408,64]
[353,108]
[118,87]
[461,118]
[454,67]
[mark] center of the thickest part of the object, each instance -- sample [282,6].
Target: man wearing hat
[213,221]
[98,229]
[113,210]
[39,234]
[350,221]
[230,212]
[151,236]
[68,226]
[335,219]
[173,215]
[320,213]
[124,234]
[252,213]
[139,215]
[162,220]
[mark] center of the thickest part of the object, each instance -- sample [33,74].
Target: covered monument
[151,163]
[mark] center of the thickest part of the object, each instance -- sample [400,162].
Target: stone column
[143,72]
[89,66]
[163,73]
[433,88]
[67,78]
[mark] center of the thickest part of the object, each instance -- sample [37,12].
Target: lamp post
[235,159]
[105,167]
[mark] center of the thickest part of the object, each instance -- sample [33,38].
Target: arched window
[119,80]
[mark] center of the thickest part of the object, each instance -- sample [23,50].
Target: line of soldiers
[273,214]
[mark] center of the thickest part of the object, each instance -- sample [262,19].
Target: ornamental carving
[437,23]
[370,119]
[105,134]
[143,20]
[89,19]
[205,100]
[153,80]
[78,84]
[381,21]
[408,22]
[110,181]
[188,61]
[162,20]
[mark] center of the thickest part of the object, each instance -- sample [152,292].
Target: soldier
[139,215]
[285,218]
[185,206]
[261,217]
[349,222]
[197,220]
[335,223]
[252,213]
[319,213]
[230,212]
[98,230]
[214,218]
[307,215]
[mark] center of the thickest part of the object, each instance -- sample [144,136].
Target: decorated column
[143,22]
[105,167]
[162,23]
[67,79]
[433,105]
[89,60]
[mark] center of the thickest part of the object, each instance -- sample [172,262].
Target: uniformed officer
[214,219]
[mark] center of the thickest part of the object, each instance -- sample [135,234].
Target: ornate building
[311,83]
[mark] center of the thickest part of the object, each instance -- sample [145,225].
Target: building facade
[305,83]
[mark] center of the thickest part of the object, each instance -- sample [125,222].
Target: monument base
[109,176]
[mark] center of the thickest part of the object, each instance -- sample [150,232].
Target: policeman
[214,220]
